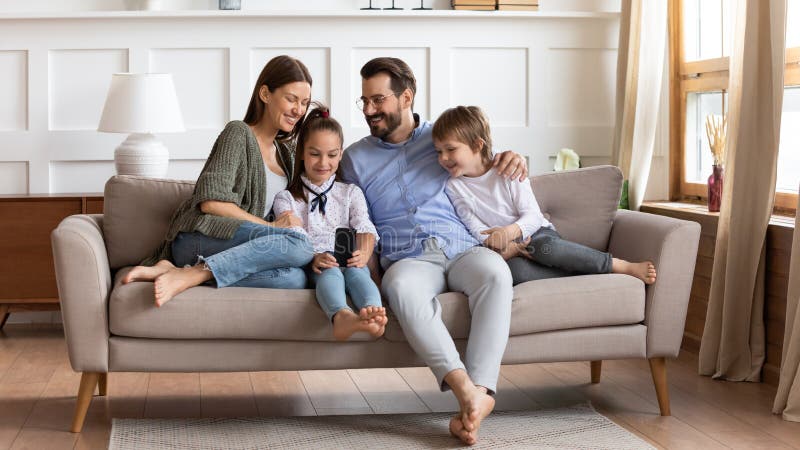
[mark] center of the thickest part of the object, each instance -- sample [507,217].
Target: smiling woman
[213,236]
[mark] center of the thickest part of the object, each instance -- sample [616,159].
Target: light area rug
[575,427]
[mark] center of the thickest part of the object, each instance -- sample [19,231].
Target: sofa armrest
[84,284]
[671,244]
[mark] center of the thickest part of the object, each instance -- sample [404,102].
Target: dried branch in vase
[716,128]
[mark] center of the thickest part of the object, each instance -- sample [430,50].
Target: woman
[219,233]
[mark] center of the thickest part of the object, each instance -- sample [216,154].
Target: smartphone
[344,245]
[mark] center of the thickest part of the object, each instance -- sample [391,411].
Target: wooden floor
[37,389]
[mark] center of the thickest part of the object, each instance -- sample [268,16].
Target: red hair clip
[325,114]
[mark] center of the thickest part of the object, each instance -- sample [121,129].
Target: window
[701,41]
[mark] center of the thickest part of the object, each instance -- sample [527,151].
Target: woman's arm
[227,209]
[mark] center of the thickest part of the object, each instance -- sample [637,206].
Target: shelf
[194,14]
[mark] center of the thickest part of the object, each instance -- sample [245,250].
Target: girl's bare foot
[147,273]
[645,271]
[370,313]
[346,322]
[177,280]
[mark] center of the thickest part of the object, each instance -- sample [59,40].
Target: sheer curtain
[732,347]
[640,67]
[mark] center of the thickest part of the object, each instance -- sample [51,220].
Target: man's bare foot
[177,280]
[475,405]
[645,271]
[147,273]
[457,430]
[346,322]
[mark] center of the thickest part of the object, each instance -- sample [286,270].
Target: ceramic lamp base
[143,155]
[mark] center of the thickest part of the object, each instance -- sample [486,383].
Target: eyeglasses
[376,101]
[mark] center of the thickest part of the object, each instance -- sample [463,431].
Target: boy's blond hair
[468,125]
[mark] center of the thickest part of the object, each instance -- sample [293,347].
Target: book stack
[475,5]
[518,5]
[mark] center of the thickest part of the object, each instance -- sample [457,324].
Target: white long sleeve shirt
[491,201]
[346,207]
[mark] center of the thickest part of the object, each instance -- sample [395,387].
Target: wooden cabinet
[27,276]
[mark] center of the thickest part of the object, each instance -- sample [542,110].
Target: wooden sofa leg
[85,393]
[658,368]
[596,367]
[102,384]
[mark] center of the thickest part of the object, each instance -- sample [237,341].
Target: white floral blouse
[346,207]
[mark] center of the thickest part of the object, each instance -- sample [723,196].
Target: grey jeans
[552,257]
[411,286]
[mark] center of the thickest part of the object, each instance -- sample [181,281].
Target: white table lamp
[141,104]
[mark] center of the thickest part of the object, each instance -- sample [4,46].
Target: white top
[491,201]
[346,207]
[275,184]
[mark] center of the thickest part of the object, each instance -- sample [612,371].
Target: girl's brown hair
[468,125]
[279,71]
[318,119]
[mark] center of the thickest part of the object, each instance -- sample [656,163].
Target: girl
[503,214]
[220,233]
[323,205]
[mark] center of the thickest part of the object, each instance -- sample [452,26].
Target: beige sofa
[112,327]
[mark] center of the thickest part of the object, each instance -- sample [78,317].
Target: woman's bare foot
[475,405]
[346,322]
[176,280]
[148,273]
[645,271]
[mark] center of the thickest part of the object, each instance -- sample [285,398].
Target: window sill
[700,209]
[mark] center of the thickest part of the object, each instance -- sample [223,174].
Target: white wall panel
[416,58]
[13,90]
[79,81]
[13,177]
[496,79]
[316,59]
[80,176]
[581,84]
[546,80]
[201,81]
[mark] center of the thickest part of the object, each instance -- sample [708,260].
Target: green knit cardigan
[234,172]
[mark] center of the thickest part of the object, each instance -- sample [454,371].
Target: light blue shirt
[405,189]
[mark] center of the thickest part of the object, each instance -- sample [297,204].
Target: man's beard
[392,120]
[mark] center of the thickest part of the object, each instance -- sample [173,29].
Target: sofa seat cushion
[554,304]
[206,312]
[294,315]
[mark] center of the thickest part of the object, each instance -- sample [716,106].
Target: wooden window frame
[707,75]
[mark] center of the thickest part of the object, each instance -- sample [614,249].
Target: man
[425,248]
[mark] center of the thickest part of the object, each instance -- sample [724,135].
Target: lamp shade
[141,103]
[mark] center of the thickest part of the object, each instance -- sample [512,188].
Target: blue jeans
[334,282]
[256,256]
[553,256]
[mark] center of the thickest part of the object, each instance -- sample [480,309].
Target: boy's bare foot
[177,280]
[346,322]
[146,273]
[645,271]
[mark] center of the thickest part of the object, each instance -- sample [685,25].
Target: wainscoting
[547,80]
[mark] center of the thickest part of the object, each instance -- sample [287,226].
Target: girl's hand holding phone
[323,261]
[359,259]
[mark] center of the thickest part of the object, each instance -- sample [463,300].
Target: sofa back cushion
[581,203]
[137,211]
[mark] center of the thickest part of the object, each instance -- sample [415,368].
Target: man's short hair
[400,74]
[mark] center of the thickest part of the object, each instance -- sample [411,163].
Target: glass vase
[715,188]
